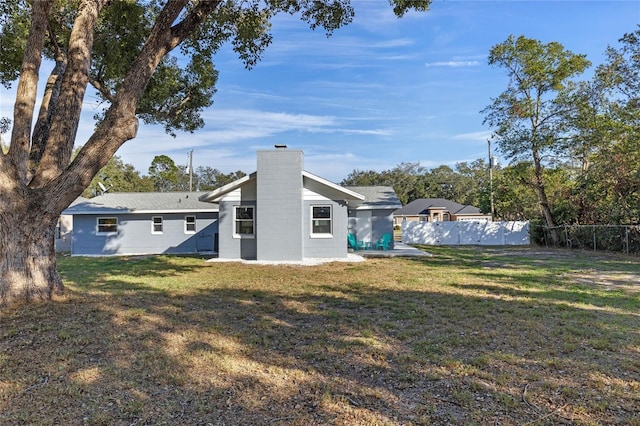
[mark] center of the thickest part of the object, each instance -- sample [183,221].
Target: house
[64,227]
[437,210]
[143,223]
[283,213]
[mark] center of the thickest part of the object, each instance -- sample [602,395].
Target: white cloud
[452,64]
[482,135]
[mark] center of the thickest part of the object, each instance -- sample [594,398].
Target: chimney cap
[280,146]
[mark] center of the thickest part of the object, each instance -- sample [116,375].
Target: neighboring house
[63,229]
[143,223]
[437,210]
[283,213]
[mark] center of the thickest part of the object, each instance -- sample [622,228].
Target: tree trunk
[542,197]
[27,254]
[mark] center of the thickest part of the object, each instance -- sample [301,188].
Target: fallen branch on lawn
[555,412]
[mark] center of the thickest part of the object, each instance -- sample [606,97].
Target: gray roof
[375,197]
[421,205]
[142,202]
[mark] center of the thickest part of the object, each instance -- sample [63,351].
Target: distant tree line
[573,146]
[163,176]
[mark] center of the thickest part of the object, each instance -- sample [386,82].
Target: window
[321,220]
[107,225]
[189,224]
[156,225]
[244,221]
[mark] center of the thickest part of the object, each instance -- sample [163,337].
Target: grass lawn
[504,336]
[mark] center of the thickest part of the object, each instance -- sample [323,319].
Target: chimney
[280,146]
[279,204]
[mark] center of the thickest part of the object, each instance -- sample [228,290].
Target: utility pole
[490,177]
[190,170]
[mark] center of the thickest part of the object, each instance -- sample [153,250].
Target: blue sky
[378,92]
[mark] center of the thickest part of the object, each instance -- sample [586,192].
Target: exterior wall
[360,225]
[279,215]
[63,233]
[283,196]
[382,223]
[135,235]
[370,225]
[334,247]
[232,247]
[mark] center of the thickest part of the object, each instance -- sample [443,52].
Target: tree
[124,51]
[405,178]
[442,182]
[407,181]
[209,178]
[619,153]
[515,199]
[364,178]
[527,119]
[118,176]
[164,174]
[475,186]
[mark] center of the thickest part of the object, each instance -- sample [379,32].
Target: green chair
[354,243]
[384,242]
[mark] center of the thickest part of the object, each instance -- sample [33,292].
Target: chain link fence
[617,238]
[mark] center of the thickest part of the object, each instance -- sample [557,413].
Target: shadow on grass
[515,257]
[270,345]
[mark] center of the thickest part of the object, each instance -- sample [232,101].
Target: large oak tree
[123,49]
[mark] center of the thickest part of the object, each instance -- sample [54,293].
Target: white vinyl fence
[466,233]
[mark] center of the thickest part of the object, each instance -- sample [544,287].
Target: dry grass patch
[469,336]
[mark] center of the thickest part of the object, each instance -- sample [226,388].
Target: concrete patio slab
[399,250]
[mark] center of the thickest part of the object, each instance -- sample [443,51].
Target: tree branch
[27,91]
[104,91]
[120,123]
[47,108]
[74,83]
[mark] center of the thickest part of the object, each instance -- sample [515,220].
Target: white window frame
[187,222]
[102,218]
[314,234]
[153,225]
[236,221]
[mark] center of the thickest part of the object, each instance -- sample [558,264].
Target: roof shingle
[421,205]
[142,202]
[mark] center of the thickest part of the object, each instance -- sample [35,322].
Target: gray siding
[135,235]
[279,214]
[382,223]
[232,247]
[335,247]
[283,195]
[63,243]
[371,225]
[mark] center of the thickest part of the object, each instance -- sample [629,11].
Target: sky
[378,92]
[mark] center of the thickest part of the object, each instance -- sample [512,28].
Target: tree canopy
[149,60]
[527,116]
